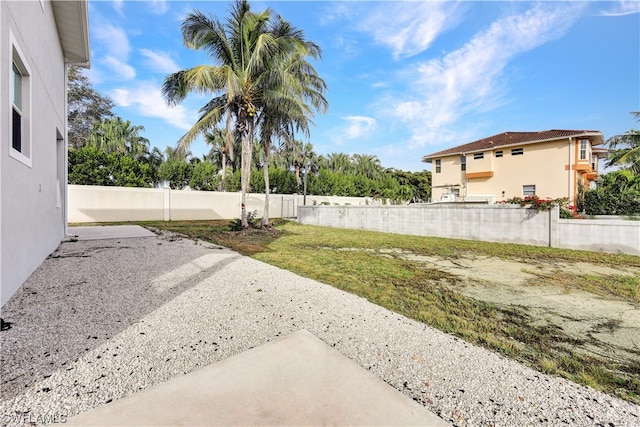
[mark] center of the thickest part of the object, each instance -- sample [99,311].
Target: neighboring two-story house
[552,163]
[38,40]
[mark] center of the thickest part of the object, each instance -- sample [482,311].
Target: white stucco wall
[32,218]
[603,235]
[494,223]
[92,203]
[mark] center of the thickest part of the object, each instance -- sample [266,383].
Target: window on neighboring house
[20,107]
[499,153]
[583,149]
[438,165]
[528,190]
[477,156]
[517,151]
[463,162]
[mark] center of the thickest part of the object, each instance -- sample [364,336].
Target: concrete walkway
[99,232]
[296,380]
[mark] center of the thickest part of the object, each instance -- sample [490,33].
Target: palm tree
[367,164]
[624,149]
[309,164]
[221,152]
[339,163]
[245,51]
[114,135]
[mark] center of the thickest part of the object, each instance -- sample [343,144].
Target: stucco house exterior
[38,40]
[551,163]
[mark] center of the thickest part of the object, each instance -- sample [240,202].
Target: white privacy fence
[91,203]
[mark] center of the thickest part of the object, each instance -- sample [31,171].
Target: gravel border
[103,319]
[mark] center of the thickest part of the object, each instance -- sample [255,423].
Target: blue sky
[405,78]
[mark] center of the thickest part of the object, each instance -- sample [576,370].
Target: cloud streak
[114,41]
[410,28]
[145,99]
[159,62]
[358,127]
[471,78]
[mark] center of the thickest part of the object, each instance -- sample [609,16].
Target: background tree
[624,150]
[245,50]
[367,165]
[91,166]
[115,135]
[85,107]
[618,193]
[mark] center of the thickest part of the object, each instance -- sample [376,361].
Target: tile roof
[516,138]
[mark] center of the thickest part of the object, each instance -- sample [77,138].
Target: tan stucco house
[551,163]
[38,40]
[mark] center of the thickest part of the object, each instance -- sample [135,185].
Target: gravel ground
[100,320]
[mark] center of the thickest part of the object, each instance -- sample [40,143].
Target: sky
[405,79]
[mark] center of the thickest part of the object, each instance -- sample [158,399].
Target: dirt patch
[608,325]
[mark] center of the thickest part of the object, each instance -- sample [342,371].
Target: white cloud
[622,7]
[358,126]
[160,62]
[159,7]
[117,5]
[145,98]
[409,28]
[470,79]
[113,40]
[123,71]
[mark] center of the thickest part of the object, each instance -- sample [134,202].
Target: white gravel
[100,320]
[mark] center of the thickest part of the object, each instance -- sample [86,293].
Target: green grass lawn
[429,296]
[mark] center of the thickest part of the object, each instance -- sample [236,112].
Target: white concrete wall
[493,223]
[88,203]
[602,235]
[496,223]
[31,212]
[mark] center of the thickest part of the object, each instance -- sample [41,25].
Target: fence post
[166,203]
[554,217]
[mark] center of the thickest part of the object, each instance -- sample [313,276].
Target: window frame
[499,153]
[517,151]
[18,60]
[527,193]
[463,162]
[478,156]
[583,149]
[438,166]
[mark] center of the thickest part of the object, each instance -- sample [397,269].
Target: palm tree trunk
[265,168]
[223,183]
[247,145]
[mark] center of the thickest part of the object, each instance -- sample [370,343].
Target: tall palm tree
[245,51]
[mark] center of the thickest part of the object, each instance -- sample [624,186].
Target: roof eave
[72,21]
[597,135]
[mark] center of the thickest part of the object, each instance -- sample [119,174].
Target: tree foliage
[91,166]
[114,135]
[618,193]
[86,107]
[259,77]
[624,150]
